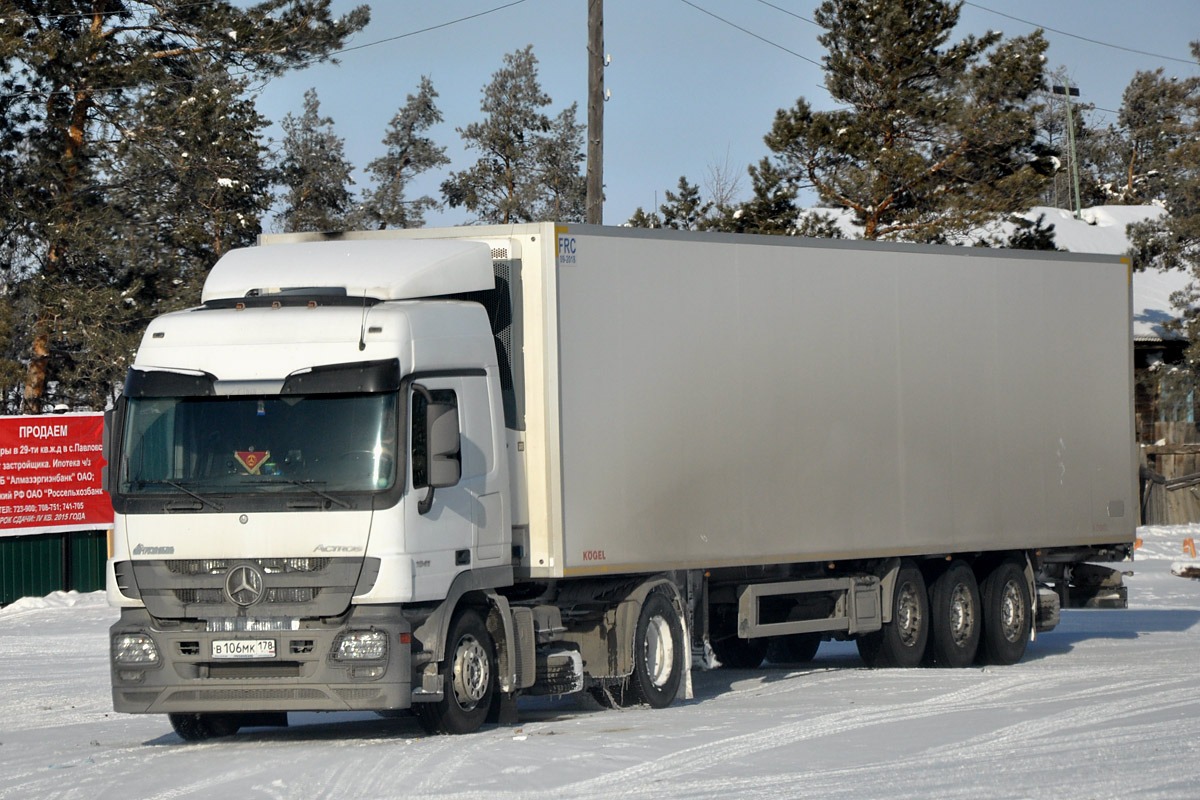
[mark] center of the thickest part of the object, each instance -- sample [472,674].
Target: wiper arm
[309,485]
[306,485]
[187,491]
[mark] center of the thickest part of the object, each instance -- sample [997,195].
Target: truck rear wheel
[901,642]
[1007,615]
[730,649]
[797,648]
[955,610]
[658,654]
[468,679]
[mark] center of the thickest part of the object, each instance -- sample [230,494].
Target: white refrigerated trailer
[439,469]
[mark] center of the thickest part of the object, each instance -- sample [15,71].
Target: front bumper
[303,675]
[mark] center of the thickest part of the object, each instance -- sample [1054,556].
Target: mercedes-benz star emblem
[244,585]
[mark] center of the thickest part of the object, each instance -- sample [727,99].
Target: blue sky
[690,93]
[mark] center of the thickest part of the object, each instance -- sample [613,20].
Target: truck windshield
[240,445]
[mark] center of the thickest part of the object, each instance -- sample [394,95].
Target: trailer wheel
[199,727]
[955,610]
[468,679]
[901,642]
[658,654]
[1007,615]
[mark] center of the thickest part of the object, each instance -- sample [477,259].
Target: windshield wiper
[185,490]
[309,486]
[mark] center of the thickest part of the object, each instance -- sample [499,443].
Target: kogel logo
[147,550]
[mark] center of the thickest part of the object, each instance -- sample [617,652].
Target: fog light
[135,648]
[131,675]
[366,673]
[361,646]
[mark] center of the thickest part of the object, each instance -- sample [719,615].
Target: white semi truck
[439,469]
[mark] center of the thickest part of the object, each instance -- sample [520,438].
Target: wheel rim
[472,673]
[660,651]
[1012,611]
[908,615]
[962,614]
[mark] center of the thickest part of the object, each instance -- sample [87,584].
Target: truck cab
[303,469]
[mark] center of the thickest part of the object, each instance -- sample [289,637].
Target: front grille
[244,695]
[291,587]
[280,669]
[285,594]
[271,566]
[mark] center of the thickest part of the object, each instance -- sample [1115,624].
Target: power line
[431,27]
[105,90]
[752,33]
[790,13]
[1077,36]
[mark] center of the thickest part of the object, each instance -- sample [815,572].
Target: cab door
[451,529]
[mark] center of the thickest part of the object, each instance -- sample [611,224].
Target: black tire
[901,642]
[730,649]
[199,727]
[799,648]
[468,679]
[658,654]
[1007,615]
[955,611]
[738,653]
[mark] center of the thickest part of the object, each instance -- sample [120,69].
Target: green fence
[33,566]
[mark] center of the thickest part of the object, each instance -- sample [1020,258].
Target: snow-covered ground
[1106,706]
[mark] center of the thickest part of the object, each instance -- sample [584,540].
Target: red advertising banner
[50,474]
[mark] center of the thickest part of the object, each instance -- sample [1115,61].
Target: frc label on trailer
[566,248]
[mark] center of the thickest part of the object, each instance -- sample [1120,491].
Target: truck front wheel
[658,654]
[901,642]
[468,679]
[198,727]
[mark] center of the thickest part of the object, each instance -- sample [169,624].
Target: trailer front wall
[742,400]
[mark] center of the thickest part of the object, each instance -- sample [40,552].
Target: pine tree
[314,172]
[641,219]
[1156,117]
[409,153]
[772,209]
[70,70]
[521,149]
[686,210]
[559,160]
[932,137]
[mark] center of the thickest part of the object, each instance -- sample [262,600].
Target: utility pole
[1069,91]
[595,126]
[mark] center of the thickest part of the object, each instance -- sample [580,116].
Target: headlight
[361,646]
[135,649]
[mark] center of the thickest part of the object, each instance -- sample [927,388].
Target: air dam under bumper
[302,676]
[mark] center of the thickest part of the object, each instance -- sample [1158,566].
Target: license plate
[243,648]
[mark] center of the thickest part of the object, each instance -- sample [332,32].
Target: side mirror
[442,443]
